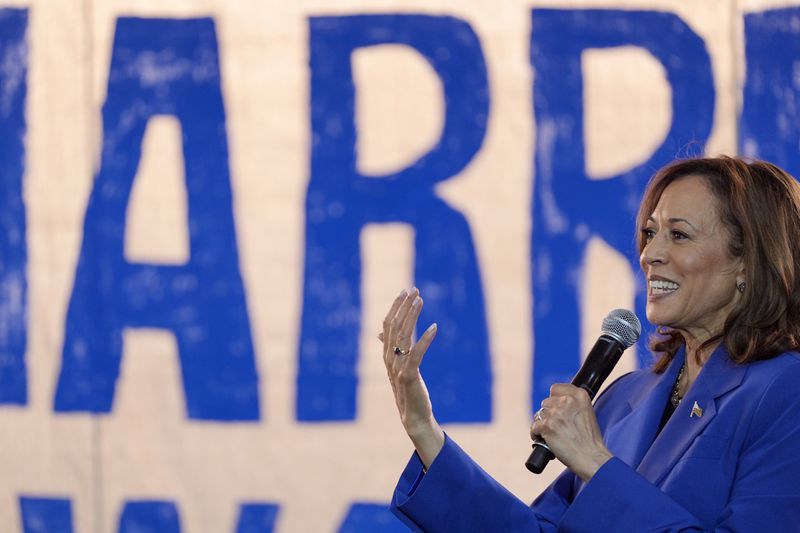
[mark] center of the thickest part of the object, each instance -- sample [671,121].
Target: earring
[740,286]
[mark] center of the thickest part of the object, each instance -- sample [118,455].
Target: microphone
[621,329]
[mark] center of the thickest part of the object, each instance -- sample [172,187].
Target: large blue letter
[13,246]
[162,67]
[770,125]
[257,517]
[149,517]
[369,518]
[341,201]
[568,208]
[46,515]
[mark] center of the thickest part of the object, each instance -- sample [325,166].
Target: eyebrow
[673,220]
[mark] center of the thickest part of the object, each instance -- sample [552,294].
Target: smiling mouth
[660,286]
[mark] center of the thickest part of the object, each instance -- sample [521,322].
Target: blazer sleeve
[765,495]
[458,495]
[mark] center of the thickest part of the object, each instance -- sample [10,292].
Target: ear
[740,273]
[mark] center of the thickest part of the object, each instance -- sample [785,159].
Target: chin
[653,316]
[661,320]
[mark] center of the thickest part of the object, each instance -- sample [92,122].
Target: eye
[648,234]
[678,235]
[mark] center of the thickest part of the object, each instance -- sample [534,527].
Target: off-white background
[146,448]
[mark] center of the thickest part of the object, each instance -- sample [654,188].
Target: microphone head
[622,325]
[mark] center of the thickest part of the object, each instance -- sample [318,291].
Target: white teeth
[662,286]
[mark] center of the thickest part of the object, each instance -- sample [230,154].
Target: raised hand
[402,358]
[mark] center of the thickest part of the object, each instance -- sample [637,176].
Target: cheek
[711,280]
[697,266]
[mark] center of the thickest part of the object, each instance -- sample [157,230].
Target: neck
[696,356]
[697,352]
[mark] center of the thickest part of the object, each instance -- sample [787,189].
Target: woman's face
[691,275]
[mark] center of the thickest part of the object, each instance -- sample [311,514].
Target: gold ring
[400,351]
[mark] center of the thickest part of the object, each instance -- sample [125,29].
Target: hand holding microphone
[567,419]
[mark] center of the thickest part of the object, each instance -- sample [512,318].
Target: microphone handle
[539,457]
[595,369]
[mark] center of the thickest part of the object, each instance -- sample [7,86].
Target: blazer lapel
[630,437]
[718,376]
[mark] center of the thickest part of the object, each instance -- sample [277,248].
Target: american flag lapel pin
[696,411]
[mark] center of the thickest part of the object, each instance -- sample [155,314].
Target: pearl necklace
[675,398]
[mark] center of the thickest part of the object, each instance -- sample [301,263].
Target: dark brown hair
[759,204]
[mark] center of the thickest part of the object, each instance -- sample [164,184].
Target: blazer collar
[633,438]
[718,376]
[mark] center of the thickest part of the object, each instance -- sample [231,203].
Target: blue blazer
[735,467]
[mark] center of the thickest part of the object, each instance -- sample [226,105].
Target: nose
[654,252]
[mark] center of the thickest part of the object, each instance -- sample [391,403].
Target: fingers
[409,323]
[406,366]
[550,409]
[406,306]
[537,426]
[387,321]
[401,336]
[394,319]
[393,310]
[419,349]
[388,324]
[564,401]
[565,389]
[564,398]
[398,327]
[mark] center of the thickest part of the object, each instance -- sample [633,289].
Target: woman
[706,440]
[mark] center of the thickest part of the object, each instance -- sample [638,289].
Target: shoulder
[771,385]
[769,373]
[787,360]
